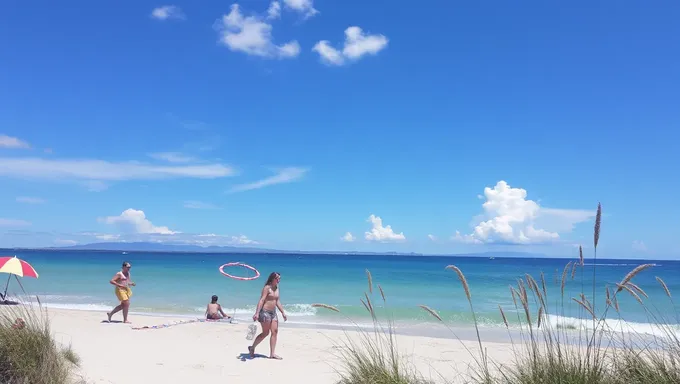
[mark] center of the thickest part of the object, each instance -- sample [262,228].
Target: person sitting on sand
[121,280]
[214,310]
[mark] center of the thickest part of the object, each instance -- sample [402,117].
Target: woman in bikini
[122,283]
[266,314]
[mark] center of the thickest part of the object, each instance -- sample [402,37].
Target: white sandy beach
[212,352]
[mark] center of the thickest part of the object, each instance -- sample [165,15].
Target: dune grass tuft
[28,352]
[546,352]
[373,356]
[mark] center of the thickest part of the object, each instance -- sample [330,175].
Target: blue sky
[289,126]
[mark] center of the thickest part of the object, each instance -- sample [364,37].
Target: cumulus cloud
[285,175]
[101,170]
[357,45]
[172,157]
[304,7]
[193,204]
[30,200]
[274,10]
[135,221]
[13,142]
[509,217]
[382,233]
[13,223]
[252,35]
[348,237]
[167,12]
[639,246]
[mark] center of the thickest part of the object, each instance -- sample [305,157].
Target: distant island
[184,248]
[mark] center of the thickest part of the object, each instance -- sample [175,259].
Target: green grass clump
[543,352]
[71,356]
[373,357]
[28,351]
[546,353]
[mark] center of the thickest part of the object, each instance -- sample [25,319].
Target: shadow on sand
[246,356]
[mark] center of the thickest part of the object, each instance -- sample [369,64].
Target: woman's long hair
[271,278]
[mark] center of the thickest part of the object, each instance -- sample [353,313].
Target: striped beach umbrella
[12,265]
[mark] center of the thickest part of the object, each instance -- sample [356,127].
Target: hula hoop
[257,273]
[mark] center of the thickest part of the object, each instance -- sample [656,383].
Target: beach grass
[544,352]
[373,356]
[28,352]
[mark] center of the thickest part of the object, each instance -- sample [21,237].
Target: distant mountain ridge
[160,247]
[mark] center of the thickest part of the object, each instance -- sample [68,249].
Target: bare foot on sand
[276,357]
[109,314]
[252,351]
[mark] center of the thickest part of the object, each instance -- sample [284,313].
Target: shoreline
[430,329]
[495,333]
[200,351]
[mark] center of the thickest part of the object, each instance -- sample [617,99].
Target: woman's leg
[126,308]
[272,340]
[266,326]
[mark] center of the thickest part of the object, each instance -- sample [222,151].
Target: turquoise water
[182,283]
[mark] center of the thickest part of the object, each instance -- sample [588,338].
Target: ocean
[180,284]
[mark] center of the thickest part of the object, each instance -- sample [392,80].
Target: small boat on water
[492,258]
[125,253]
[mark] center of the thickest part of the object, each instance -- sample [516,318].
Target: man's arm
[114,281]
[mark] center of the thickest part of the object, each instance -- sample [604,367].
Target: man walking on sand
[121,280]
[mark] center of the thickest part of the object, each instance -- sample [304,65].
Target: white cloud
[357,45]
[432,237]
[107,236]
[285,175]
[193,204]
[509,217]
[380,233]
[274,11]
[467,239]
[242,240]
[65,242]
[13,142]
[30,200]
[305,7]
[253,36]
[348,237]
[90,169]
[639,245]
[13,223]
[172,157]
[135,221]
[167,12]
[208,239]
[328,54]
